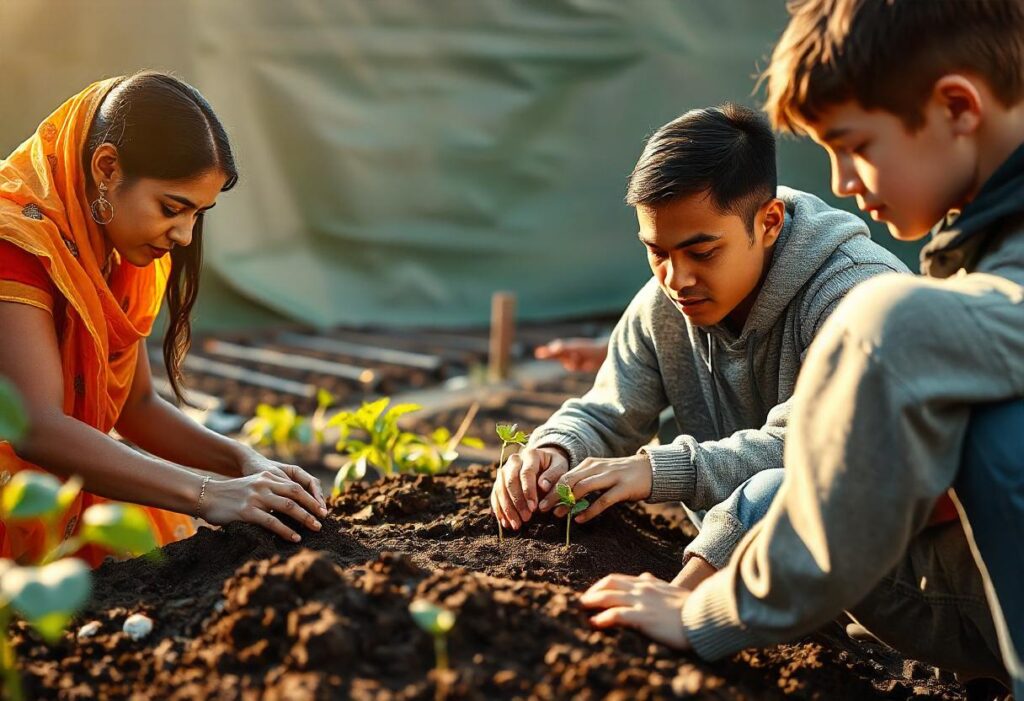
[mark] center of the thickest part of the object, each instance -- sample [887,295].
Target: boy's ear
[960,101]
[770,221]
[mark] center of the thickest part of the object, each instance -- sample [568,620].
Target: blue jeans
[722,526]
[990,489]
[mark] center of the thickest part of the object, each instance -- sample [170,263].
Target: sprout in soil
[437,621]
[509,434]
[573,506]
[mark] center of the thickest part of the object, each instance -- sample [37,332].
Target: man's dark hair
[887,54]
[727,152]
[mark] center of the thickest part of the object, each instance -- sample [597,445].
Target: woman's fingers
[310,483]
[260,517]
[284,487]
[285,505]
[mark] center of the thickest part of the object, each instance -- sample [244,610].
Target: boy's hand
[621,479]
[514,496]
[648,604]
[575,354]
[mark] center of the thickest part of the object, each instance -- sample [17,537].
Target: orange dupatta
[44,210]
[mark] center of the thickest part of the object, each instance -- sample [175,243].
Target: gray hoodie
[730,393]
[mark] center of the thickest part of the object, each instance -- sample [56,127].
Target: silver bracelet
[202,493]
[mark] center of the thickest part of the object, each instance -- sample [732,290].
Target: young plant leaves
[13,421]
[31,494]
[48,596]
[121,528]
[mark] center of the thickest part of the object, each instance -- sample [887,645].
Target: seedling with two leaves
[573,505]
[438,622]
[508,434]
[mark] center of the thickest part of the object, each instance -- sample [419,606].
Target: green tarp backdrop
[403,159]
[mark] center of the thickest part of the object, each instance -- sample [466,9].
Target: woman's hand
[252,463]
[255,499]
[650,605]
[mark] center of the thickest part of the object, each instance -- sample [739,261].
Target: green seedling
[318,423]
[13,423]
[47,596]
[438,622]
[508,434]
[280,427]
[378,424]
[567,499]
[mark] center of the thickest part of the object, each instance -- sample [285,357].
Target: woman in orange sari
[101,215]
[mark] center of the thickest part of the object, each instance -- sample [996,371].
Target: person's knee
[932,607]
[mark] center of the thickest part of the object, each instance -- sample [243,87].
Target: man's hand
[514,495]
[621,479]
[575,354]
[650,605]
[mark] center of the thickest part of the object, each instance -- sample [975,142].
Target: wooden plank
[503,329]
[249,377]
[387,356]
[266,356]
[201,400]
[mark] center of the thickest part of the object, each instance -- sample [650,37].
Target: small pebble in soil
[138,626]
[88,630]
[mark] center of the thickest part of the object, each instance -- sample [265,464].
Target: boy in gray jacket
[745,273]
[915,385]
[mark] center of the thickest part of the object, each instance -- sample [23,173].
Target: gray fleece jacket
[730,393]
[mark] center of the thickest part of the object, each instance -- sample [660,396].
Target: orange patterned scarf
[44,210]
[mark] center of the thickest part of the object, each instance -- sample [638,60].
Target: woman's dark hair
[727,152]
[165,129]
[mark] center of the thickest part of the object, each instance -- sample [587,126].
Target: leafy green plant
[49,594]
[280,427]
[438,622]
[509,434]
[567,499]
[13,421]
[381,443]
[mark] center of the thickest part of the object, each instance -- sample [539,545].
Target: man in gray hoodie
[745,273]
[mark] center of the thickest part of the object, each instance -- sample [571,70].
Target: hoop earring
[101,208]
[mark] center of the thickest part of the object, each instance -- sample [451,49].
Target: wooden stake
[503,329]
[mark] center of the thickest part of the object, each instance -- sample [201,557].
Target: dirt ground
[240,614]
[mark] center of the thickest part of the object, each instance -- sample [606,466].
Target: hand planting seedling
[573,506]
[437,621]
[509,434]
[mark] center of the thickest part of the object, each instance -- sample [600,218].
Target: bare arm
[30,358]
[160,428]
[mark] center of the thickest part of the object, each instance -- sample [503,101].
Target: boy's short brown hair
[887,54]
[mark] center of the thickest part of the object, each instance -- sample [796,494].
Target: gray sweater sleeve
[620,413]
[703,474]
[883,399]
